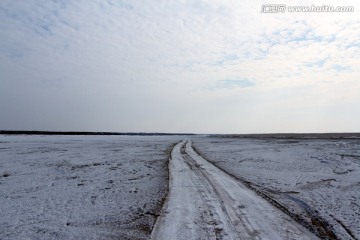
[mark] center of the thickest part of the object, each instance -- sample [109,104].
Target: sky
[200,66]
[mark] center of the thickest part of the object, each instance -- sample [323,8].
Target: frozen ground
[113,187]
[82,187]
[315,181]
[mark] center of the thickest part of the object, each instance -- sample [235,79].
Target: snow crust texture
[114,187]
[81,187]
[317,181]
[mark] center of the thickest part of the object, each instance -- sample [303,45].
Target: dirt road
[204,202]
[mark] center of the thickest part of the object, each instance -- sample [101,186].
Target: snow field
[319,177]
[81,187]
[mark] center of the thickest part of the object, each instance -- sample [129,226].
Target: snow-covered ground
[113,187]
[82,187]
[317,181]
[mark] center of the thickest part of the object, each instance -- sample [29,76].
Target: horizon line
[331,135]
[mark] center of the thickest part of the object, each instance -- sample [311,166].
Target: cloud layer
[178,66]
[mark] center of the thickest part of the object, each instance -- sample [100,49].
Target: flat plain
[117,187]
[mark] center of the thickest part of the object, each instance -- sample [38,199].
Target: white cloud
[133,65]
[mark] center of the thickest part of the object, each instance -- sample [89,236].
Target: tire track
[206,203]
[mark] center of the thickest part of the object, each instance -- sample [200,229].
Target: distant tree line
[16,132]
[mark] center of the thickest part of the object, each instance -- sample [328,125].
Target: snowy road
[204,202]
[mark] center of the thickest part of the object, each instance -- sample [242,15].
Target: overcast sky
[203,66]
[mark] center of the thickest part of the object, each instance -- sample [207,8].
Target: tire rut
[204,202]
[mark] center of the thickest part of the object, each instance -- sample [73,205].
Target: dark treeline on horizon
[19,132]
[295,135]
[257,135]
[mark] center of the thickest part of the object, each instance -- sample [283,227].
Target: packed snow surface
[206,203]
